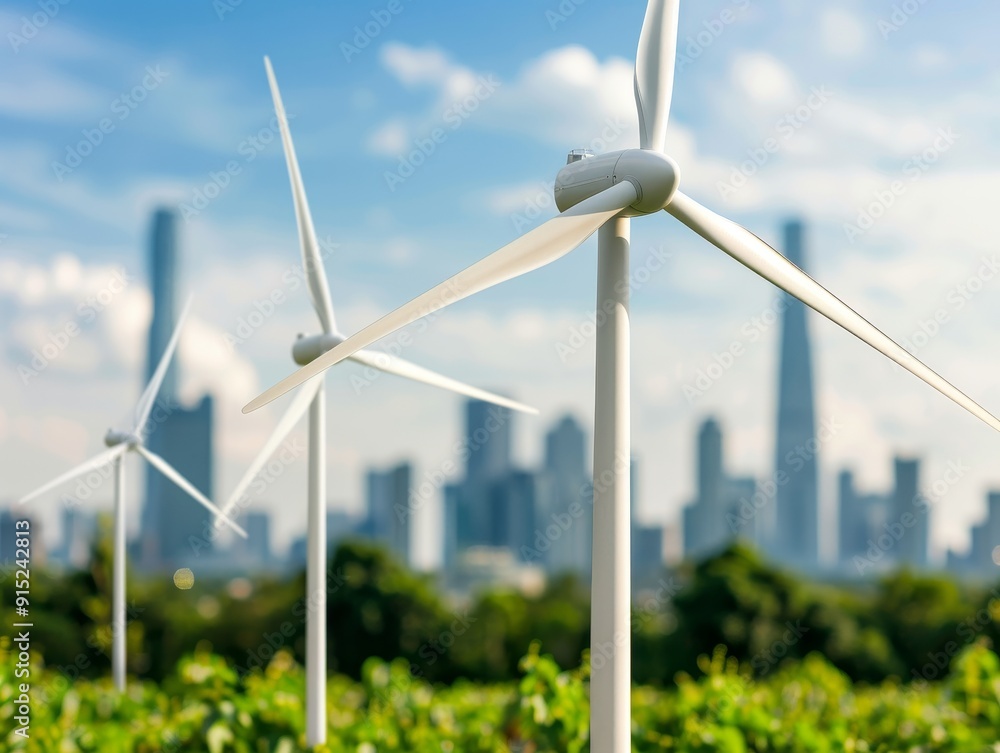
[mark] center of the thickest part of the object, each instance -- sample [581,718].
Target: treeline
[904,626]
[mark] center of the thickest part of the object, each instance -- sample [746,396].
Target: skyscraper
[796,463]
[389,513]
[257,546]
[723,508]
[175,528]
[985,555]
[566,495]
[909,509]
[862,519]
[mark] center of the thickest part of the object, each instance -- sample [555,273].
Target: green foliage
[807,706]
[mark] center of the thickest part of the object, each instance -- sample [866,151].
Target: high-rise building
[257,546]
[723,509]
[862,519]
[565,506]
[646,540]
[175,528]
[984,559]
[910,510]
[79,530]
[389,513]
[487,450]
[796,462]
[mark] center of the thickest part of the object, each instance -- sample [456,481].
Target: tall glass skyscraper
[175,528]
[796,463]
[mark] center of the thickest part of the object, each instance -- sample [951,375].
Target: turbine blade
[102,459]
[654,71]
[753,253]
[543,245]
[319,291]
[297,409]
[148,398]
[393,365]
[171,473]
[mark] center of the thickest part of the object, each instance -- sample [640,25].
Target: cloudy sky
[875,123]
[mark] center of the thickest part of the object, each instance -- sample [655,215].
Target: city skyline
[65,239]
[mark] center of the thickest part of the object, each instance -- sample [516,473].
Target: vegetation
[805,706]
[729,654]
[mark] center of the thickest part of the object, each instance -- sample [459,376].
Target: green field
[807,706]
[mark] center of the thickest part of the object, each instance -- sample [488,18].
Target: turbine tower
[601,194]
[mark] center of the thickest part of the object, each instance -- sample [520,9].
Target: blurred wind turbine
[312,398]
[120,443]
[601,194]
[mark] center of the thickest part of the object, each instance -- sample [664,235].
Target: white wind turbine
[120,443]
[312,398]
[601,194]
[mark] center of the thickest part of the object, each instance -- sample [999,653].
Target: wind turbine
[120,443]
[312,398]
[601,194]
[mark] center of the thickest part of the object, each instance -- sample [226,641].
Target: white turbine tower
[312,398]
[601,194]
[120,443]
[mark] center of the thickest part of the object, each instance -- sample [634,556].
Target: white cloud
[844,34]
[763,78]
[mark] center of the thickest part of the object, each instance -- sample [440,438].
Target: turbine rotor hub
[654,175]
[114,438]
[310,347]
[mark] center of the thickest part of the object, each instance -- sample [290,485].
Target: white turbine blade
[148,398]
[393,365]
[297,409]
[753,253]
[103,459]
[319,291]
[543,245]
[654,71]
[171,473]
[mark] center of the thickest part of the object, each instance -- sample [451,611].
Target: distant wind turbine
[120,443]
[312,398]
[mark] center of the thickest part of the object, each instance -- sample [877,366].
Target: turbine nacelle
[654,175]
[310,347]
[114,438]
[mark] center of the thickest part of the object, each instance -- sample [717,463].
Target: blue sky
[850,104]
